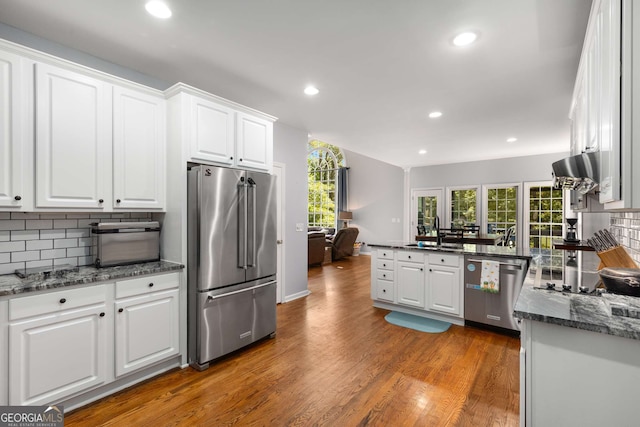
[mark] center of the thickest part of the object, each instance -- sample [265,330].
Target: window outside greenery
[323,162]
[463,207]
[545,224]
[502,211]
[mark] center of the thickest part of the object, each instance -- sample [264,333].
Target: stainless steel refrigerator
[232,256]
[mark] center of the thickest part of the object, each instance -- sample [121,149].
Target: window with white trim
[323,162]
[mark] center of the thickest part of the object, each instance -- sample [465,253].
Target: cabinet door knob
[442,260]
[17,198]
[63,300]
[384,254]
[409,256]
[117,200]
[231,158]
[384,291]
[430,270]
[384,275]
[120,310]
[151,285]
[421,269]
[101,201]
[102,314]
[240,159]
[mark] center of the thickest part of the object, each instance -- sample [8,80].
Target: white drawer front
[385,264]
[385,274]
[412,256]
[384,290]
[444,259]
[385,254]
[52,302]
[146,284]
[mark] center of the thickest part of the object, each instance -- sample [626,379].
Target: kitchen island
[579,363]
[426,279]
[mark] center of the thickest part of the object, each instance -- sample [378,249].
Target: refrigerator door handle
[242,225]
[251,241]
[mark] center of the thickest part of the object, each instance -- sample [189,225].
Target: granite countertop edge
[466,249]
[10,284]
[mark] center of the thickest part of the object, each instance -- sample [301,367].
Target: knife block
[616,257]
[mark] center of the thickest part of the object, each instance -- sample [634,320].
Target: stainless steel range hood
[580,173]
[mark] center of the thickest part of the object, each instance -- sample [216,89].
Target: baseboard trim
[289,298]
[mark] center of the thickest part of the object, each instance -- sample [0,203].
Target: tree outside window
[463,207]
[323,162]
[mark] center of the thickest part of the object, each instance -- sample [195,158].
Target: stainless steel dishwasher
[495,309]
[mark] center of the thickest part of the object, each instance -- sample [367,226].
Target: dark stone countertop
[456,248]
[588,312]
[11,284]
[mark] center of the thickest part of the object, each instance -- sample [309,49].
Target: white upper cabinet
[255,142]
[138,150]
[16,118]
[73,139]
[214,130]
[212,136]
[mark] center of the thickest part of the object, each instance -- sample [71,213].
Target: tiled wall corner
[29,240]
[626,227]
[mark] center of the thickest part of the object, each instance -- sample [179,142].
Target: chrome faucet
[436,226]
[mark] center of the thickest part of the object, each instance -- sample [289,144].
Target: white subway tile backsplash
[39,224]
[8,224]
[12,246]
[78,232]
[61,261]
[25,235]
[37,245]
[53,234]
[626,227]
[11,268]
[24,215]
[65,223]
[41,263]
[53,216]
[25,256]
[29,240]
[65,243]
[53,253]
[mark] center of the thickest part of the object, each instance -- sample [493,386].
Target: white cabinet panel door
[15,120]
[147,330]
[444,287]
[73,139]
[138,150]
[56,356]
[212,132]
[410,283]
[255,143]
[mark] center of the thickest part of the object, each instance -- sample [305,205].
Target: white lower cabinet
[55,351]
[444,279]
[69,342]
[410,283]
[147,328]
[419,282]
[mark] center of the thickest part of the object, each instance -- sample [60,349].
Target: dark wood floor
[335,361]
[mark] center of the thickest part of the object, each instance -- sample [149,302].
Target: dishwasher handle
[502,264]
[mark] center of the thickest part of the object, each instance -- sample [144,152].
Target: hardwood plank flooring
[334,362]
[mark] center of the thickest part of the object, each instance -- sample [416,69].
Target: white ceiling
[381,65]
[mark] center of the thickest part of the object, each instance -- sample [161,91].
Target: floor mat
[418,323]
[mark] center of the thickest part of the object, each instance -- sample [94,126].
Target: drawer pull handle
[384,275]
[101,201]
[442,260]
[63,300]
[120,310]
[409,256]
[421,269]
[384,265]
[17,198]
[102,314]
[384,254]
[151,285]
[118,201]
[384,291]
[430,270]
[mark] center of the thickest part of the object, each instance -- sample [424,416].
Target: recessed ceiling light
[435,114]
[422,152]
[158,9]
[465,39]
[512,139]
[311,90]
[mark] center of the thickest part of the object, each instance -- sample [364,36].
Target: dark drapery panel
[343,182]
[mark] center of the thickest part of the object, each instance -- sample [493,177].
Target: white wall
[375,197]
[515,169]
[290,148]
